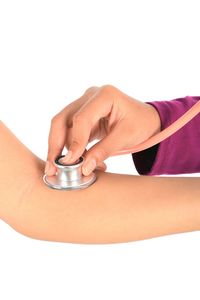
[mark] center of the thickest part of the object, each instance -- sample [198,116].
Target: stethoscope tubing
[164,134]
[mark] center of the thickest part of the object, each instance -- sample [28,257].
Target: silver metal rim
[84,182]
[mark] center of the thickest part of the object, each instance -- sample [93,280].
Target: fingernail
[67,157]
[89,167]
[46,167]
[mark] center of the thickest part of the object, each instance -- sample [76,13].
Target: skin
[119,122]
[117,208]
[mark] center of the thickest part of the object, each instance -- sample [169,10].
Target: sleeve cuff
[179,153]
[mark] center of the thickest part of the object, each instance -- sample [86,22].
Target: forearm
[18,170]
[116,208]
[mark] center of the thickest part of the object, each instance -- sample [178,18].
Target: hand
[104,113]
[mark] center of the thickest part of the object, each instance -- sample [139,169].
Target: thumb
[95,157]
[114,141]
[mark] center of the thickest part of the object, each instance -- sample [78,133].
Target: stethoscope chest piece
[69,177]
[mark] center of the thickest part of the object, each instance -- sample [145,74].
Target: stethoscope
[69,177]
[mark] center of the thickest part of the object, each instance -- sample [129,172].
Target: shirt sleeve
[179,153]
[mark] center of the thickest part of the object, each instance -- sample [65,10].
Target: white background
[50,53]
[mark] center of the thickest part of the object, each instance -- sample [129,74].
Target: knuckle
[101,154]
[90,89]
[77,118]
[75,145]
[82,124]
[108,88]
[55,120]
[82,119]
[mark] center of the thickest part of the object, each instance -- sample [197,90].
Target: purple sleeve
[179,153]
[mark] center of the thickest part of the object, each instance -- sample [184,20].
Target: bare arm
[116,208]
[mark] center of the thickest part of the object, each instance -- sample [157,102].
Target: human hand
[104,113]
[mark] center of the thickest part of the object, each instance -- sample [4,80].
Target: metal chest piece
[69,176]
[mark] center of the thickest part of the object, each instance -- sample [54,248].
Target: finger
[83,122]
[58,132]
[114,141]
[80,133]
[69,113]
[56,142]
[101,166]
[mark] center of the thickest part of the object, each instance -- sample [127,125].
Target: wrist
[154,120]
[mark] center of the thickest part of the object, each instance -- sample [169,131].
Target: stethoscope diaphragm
[69,176]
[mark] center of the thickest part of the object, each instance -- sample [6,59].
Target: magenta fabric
[179,153]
